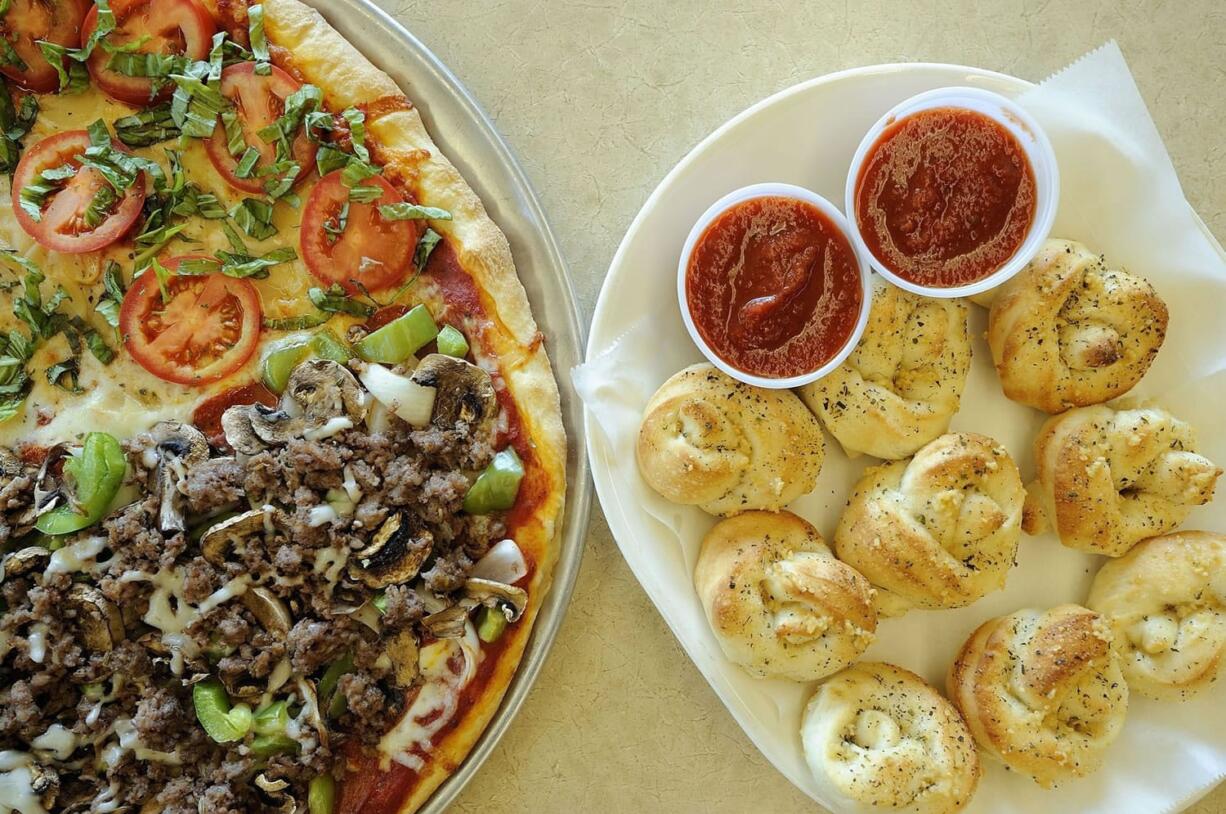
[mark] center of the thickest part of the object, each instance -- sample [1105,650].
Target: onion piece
[504,563]
[406,398]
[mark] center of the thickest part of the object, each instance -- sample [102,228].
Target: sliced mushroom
[236,425]
[47,492]
[465,392]
[268,610]
[449,623]
[310,707]
[45,784]
[231,533]
[99,620]
[325,390]
[273,793]
[264,783]
[320,394]
[394,555]
[508,598]
[23,561]
[402,648]
[179,447]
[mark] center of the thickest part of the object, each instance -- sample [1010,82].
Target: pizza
[282,463]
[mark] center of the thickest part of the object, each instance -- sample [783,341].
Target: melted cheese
[57,741]
[129,740]
[75,557]
[321,515]
[123,397]
[17,785]
[436,702]
[170,613]
[38,642]
[330,562]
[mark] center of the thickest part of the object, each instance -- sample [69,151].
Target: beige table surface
[600,99]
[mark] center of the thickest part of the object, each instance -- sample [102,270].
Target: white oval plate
[806,135]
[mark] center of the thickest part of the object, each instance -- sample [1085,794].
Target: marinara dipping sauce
[945,197]
[773,287]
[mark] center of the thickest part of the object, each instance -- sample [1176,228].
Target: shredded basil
[66,375]
[329,159]
[411,211]
[234,238]
[163,277]
[108,309]
[105,25]
[317,123]
[119,168]
[254,217]
[280,179]
[299,106]
[73,75]
[296,323]
[113,288]
[197,100]
[15,122]
[357,132]
[236,142]
[246,164]
[241,265]
[100,206]
[335,300]
[78,330]
[112,281]
[148,127]
[259,43]
[335,227]
[425,246]
[9,55]
[34,194]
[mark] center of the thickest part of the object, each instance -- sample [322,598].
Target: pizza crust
[318,54]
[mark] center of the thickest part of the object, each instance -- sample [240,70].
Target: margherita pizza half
[281,451]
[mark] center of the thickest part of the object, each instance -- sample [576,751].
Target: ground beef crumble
[286,608]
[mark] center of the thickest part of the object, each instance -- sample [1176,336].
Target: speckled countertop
[600,99]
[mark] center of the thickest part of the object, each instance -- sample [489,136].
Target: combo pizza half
[282,465]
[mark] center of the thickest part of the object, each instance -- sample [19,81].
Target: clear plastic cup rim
[1035,145]
[773,190]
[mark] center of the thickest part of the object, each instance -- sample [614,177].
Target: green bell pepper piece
[321,795]
[330,699]
[497,487]
[452,343]
[280,360]
[222,722]
[269,745]
[272,719]
[398,339]
[97,472]
[328,345]
[380,602]
[491,624]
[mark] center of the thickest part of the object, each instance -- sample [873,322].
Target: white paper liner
[1119,195]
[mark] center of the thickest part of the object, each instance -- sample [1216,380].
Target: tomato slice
[207,329]
[180,27]
[62,226]
[375,252]
[28,21]
[260,101]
